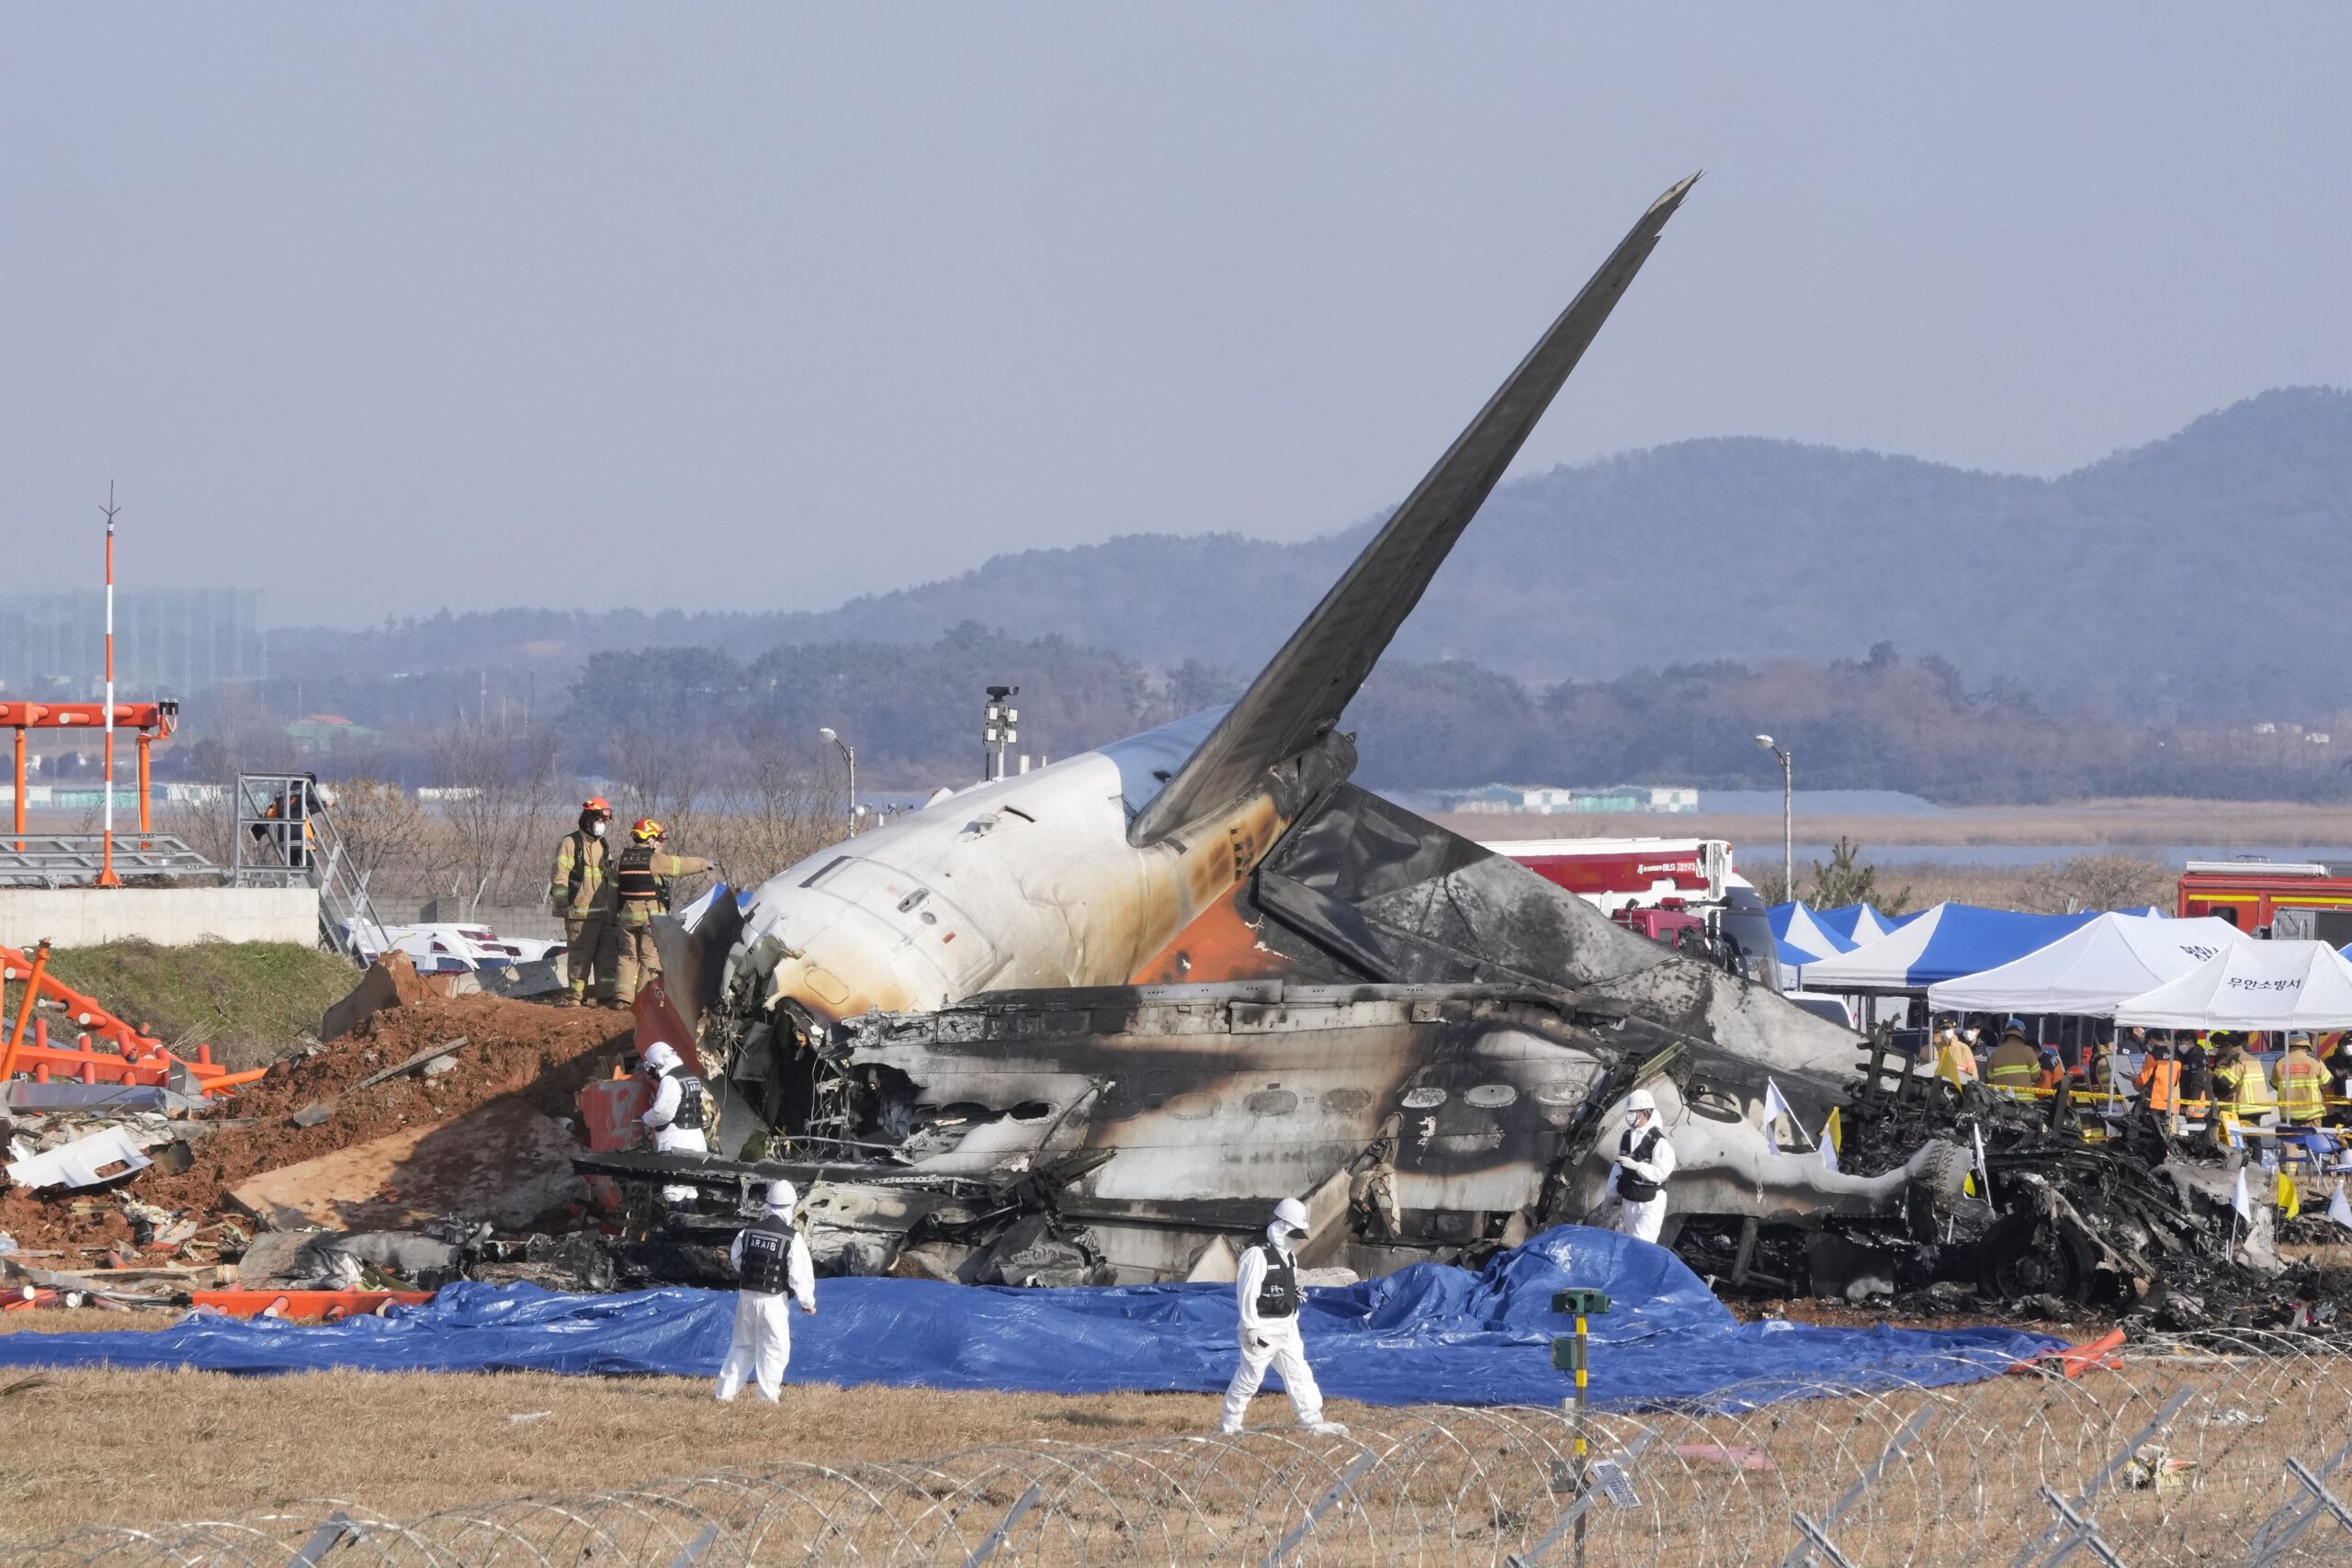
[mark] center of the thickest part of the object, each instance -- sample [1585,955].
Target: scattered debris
[424,1058]
[93,1160]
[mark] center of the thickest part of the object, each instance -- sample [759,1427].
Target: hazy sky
[397,306]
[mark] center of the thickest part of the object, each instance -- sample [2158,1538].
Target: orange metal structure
[135,1057]
[154,721]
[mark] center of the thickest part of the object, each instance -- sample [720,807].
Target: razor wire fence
[2231,1449]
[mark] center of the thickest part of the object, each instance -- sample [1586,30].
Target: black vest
[633,877]
[688,1118]
[1637,1188]
[767,1255]
[1278,1291]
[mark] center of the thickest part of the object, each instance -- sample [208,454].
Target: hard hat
[647,830]
[596,805]
[781,1196]
[2299,1038]
[1292,1213]
[1641,1100]
[660,1056]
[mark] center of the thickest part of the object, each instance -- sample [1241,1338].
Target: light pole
[849,755]
[1000,729]
[1788,821]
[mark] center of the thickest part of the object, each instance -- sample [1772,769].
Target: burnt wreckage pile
[2137,1225]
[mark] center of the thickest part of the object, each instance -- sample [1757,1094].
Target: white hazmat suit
[1647,1159]
[761,1346]
[661,1119]
[1271,1339]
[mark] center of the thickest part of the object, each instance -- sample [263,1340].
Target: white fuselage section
[1018,883]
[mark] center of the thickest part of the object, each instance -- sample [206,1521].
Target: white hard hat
[660,1056]
[1290,1211]
[781,1196]
[1641,1100]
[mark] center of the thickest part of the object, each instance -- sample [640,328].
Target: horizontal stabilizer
[1299,696]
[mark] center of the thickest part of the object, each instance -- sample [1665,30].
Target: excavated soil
[526,1052]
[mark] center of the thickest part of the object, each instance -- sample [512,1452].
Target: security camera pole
[1788,821]
[849,755]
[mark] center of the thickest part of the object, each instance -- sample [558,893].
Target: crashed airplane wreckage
[1088,1022]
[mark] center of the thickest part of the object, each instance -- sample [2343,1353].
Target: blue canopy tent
[1943,944]
[1801,936]
[1858,924]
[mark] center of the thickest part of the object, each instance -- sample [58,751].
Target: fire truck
[2271,898]
[1628,873]
[1682,892]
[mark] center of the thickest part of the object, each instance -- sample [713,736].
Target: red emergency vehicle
[2253,895]
[1625,874]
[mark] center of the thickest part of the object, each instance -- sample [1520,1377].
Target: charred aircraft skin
[1035,997]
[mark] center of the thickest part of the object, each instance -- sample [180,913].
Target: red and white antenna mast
[106,878]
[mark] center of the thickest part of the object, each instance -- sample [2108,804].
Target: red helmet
[648,830]
[598,805]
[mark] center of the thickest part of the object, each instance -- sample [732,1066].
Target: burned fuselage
[1140,994]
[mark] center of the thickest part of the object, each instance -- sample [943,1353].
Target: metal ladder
[284,836]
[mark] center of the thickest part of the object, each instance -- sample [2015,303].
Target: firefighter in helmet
[582,894]
[642,886]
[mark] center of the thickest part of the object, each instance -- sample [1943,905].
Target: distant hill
[2201,574]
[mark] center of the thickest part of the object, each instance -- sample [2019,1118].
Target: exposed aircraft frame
[1087,1022]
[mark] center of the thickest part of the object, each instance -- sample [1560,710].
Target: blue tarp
[1943,944]
[1427,1334]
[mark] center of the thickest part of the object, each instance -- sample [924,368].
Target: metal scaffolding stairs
[285,836]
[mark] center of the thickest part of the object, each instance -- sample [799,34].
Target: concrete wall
[171,916]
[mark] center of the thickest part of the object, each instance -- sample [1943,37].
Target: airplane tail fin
[1299,696]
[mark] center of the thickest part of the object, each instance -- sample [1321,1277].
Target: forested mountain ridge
[2088,589]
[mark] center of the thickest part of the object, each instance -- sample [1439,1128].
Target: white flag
[2339,1207]
[1776,1105]
[2241,1201]
[1984,1177]
[1828,1150]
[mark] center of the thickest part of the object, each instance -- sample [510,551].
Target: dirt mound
[522,1053]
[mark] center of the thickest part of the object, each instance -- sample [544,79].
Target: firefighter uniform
[2015,1063]
[580,892]
[2301,1082]
[642,874]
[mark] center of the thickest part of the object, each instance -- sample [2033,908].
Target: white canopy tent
[2253,985]
[2091,970]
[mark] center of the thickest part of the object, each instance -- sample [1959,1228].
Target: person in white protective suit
[1267,1290]
[1645,1160]
[772,1258]
[677,1119]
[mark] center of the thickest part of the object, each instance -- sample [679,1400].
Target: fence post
[1611,1483]
[2074,1516]
[1289,1543]
[1816,1536]
[987,1548]
[2292,1519]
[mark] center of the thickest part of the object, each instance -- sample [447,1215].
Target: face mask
[595,829]
[1969,1035]
[1633,1121]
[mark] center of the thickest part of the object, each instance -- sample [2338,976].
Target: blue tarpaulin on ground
[1427,1334]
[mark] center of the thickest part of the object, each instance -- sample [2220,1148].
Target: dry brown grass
[142,1445]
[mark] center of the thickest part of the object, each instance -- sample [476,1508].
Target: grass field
[248,1000]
